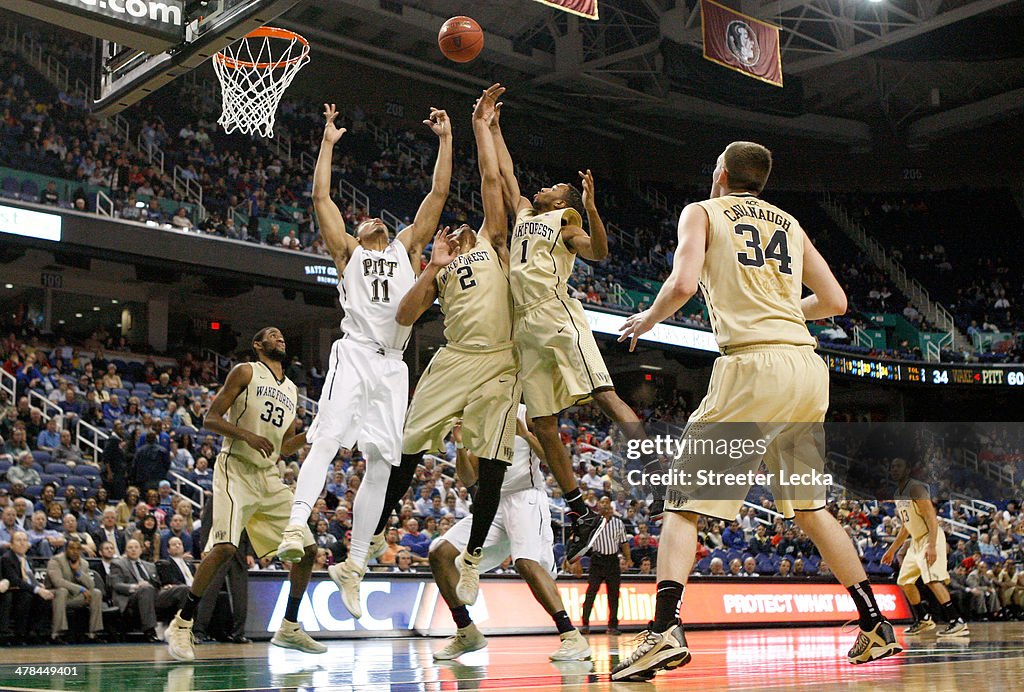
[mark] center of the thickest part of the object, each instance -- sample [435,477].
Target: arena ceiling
[856,71]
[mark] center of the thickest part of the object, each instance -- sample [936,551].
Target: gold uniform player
[248,495]
[925,558]
[475,376]
[751,260]
[561,363]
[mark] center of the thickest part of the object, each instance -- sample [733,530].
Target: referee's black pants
[603,569]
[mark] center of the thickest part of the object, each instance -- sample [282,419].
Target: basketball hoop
[254,73]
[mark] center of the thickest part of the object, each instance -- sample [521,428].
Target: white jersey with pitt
[907,510]
[371,287]
[265,407]
[524,471]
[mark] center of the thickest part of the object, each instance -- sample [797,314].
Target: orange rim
[266,32]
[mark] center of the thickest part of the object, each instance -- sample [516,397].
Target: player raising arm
[474,377]
[561,363]
[366,391]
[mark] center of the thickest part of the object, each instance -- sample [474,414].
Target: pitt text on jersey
[750,210]
[379,267]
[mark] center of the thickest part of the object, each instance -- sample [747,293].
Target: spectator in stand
[761,543]
[67,453]
[43,542]
[416,541]
[785,567]
[151,463]
[109,531]
[716,568]
[176,529]
[111,380]
[290,241]
[750,567]
[48,439]
[148,536]
[163,389]
[112,410]
[71,578]
[24,472]
[116,463]
[181,220]
[72,533]
[49,195]
[28,598]
[732,537]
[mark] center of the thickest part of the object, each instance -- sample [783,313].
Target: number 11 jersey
[371,287]
[752,274]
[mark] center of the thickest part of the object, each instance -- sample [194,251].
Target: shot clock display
[945,374]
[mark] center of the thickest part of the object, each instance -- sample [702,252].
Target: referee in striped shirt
[604,565]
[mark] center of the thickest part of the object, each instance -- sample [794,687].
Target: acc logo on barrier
[387,605]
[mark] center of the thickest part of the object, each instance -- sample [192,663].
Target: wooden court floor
[775,659]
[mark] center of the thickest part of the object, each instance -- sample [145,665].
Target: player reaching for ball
[560,361]
[366,391]
[751,260]
[475,376]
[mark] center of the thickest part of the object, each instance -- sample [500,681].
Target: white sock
[312,476]
[366,508]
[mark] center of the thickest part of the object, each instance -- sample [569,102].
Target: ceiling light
[78,314]
[650,367]
[113,301]
[61,322]
[95,308]
[8,285]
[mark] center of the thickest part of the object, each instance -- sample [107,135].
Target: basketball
[461,39]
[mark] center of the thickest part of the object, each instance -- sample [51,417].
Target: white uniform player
[366,392]
[521,529]
[522,526]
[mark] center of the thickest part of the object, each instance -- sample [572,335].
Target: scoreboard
[925,373]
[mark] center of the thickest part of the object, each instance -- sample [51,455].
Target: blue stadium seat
[77,481]
[42,457]
[45,478]
[4,465]
[61,470]
[33,491]
[122,395]
[141,389]
[30,191]
[86,471]
[704,564]
[559,553]
[9,188]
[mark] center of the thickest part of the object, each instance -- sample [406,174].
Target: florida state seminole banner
[741,43]
[584,8]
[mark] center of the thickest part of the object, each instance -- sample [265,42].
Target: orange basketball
[461,39]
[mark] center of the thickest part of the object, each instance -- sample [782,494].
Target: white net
[254,73]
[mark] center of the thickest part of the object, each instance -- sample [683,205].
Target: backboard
[143,44]
[124,74]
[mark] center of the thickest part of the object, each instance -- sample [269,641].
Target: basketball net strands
[254,73]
